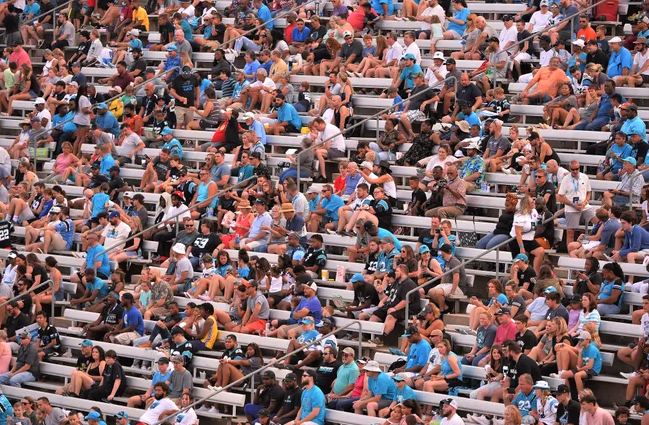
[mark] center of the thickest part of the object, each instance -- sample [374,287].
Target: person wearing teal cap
[308,336]
[365,298]
[171,143]
[523,275]
[403,393]
[629,188]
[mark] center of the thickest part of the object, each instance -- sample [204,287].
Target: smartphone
[511,391]
[575,199]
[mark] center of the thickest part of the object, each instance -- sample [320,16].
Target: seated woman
[589,362]
[211,115]
[545,409]
[427,268]
[497,299]
[584,245]
[556,111]
[524,233]
[450,374]
[503,227]
[494,376]
[609,299]
[550,353]
[231,370]
[81,380]
[588,314]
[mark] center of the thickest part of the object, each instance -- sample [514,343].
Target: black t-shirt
[14,323]
[415,103]
[112,374]
[527,341]
[6,229]
[527,276]
[176,318]
[582,288]
[546,231]
[402,289]
[234,353]
[315,257]
[418,196]
[366,292]
[138,64]
[272,394]
[161,168]
[166,32]
[467,93]
[524,365]
[518,302]
[218,31]
[569,414]
[96,181]
[12,23]
[427,237]
[84,362]
[112,315]
[48,335]
[349,49]
[639,150]
[548,188]
[83,47]
[27,302]
[327,373]
[525,34]
[113,184]
[46,7]
[185,87]
[319,33]
[292,399]
[205,244]
[370,263]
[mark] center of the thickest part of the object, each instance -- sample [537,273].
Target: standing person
[186,90]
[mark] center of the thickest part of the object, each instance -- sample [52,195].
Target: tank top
[62,162]
[390,189]
[446,367]
[94,371]
[210,337]
[5,358]
[215,116]
[337,118]
[204,193]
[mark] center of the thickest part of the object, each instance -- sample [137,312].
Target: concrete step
[456,319]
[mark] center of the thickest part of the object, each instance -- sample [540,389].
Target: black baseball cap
[563,389]
[177,331]
[290,377]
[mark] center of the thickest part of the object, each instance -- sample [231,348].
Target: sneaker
[556,375]
[188,295]
[506,170]
[205,297]
[213,410]
[628,375]
[137,364]
[377,341]
[203,408]
[461,331]
[144,367]
[481,419]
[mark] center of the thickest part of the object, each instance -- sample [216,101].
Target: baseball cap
[248,115]
[166,131]
[134,32]
[615,40]
[177,359]
[409,56]
[312,373]
[410,331]
[583,335]
[55,210]
[122,414]
[128,194]
[172,48]
[423,249]
[87,343]
[102,106]
[446,248]
[312,189]
[313,286]
[186,71]
[451,402]
[290,377]
[450,61]
[306,321]
[579,42]
[163,360]
[12,255]
[113,214]
[367,164]
[39,101]
[549,290]
[268,374]
[502,310]
[293,235]
[631,160]
[358,277]
[575,298]
[348,34]
[563,389]
[93,416]
[521,257]
[349,350]
[398,378]
[507,18]
[264,413]
[325,322]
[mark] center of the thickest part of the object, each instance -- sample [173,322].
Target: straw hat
[287,207]
[242,205]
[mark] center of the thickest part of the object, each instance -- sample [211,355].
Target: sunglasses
[574,169]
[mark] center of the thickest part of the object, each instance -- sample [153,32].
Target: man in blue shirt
[636,239]
[95,258]
[256,126]
[95,287]
[299,35]
[525,400]
[106,121]
[418,353]
[602,115]
[171,64]
[384,8]
[381,390]
[171,143]
[621,60]
[633,127]
[263,13]
[313,401]
[288,119]
[409,70]
[131,326]
[381,233]
[328,211]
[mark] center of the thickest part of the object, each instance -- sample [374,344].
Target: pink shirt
[601,417]
[20,58]
[505,332]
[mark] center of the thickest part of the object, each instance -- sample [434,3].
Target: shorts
[645,78]
[184,115]
[573,218]
[290,128]
[257,325]
[446,289]
[334,153]
[253,244]
[205,125]
[455,34]
[531,245]
[540,101]
[32,95]
[58,243]
[384,402]
[88,11]
[74,14]
[412,115]
[590,373]
[454,382]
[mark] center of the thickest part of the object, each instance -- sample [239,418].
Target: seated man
[545,84]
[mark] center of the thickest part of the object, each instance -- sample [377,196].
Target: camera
[442,183]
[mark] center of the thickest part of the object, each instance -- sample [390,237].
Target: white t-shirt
[129,143]
[639,60]
[116,235]
[644,324]
[394,52]
[154,411]
[430,11]
[328,115]
[45,113]
[544,57]
[435,161]
[414,49]
[187,418]
[189,11]
[275,285]
[525,221]
[435,359]
[507,35]
[338,142]
[539,21]
[327,342]
[571,188]
[432,79]
[453,420]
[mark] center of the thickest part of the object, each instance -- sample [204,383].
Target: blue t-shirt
[289,114]
[383,385]
[93,255]
[175,147]
[108,123]
[308,337]
[6,409]
[635,126]
[461,15]
[97,284]
[618,61]
[66,229]
[332,205]
[377,5]
[407,75]
[525,403]
[159,377]
[314,307]
[47,205]
[592,352]
[300,37]
[418,354]
[502,299]
[621,152]
[99,201]
[105,164]
[607,288]
[263,13]
[187,30]
[246,172]
[313,399]
[134,317]
[405,394]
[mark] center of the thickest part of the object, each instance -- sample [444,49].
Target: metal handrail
[192,208]
[53,12]
[364,120]
[464,262]
[264,368]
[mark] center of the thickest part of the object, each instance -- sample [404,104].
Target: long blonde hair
[525,205]
[381,46]
[591,328]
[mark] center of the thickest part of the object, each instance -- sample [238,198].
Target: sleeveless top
[62,162]
[390,189]
[210,337]
[94,371]
[215,116]
[446,367]
[204,193]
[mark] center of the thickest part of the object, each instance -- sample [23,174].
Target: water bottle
[210,212]
[490,72]
[600,167]
[267,331]
[237,239]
